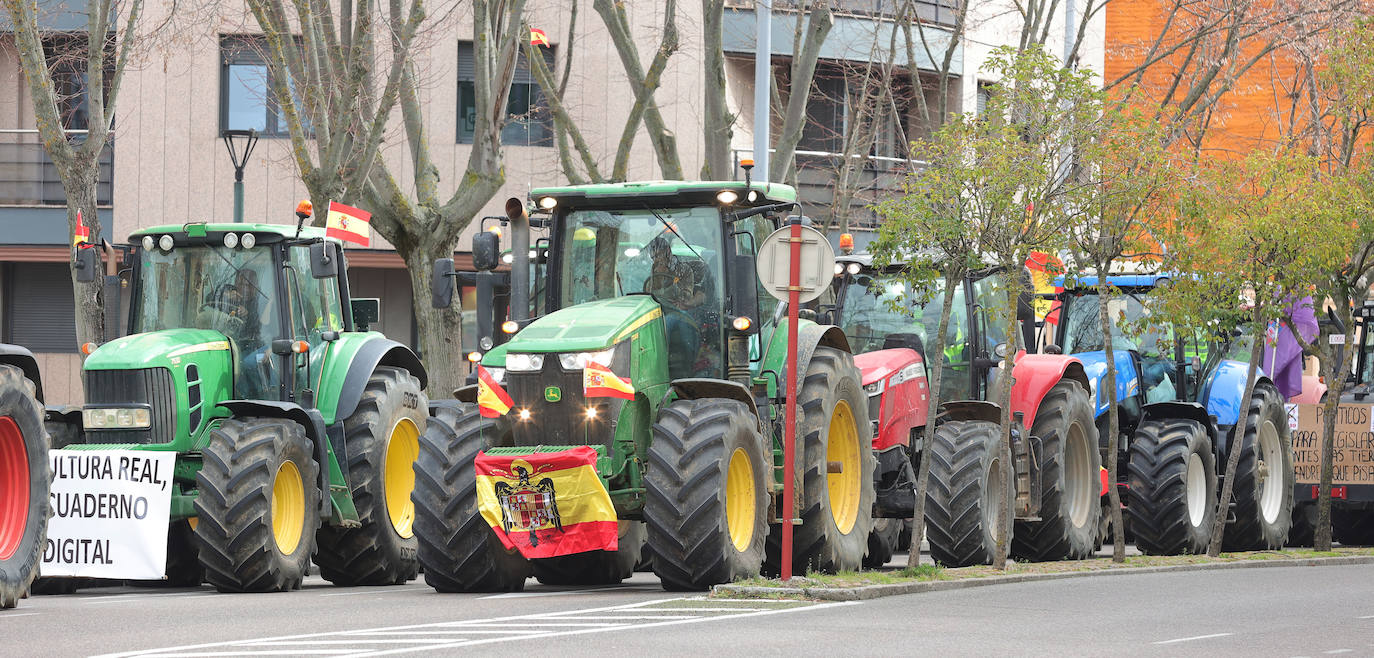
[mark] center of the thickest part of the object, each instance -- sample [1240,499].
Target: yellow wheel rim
[842,447]
[288,507]
[739,500]
[398,476]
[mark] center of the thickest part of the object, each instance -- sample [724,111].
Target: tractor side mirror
[323,264]
[486,251]
[440,283]
[744,287]
[87,265]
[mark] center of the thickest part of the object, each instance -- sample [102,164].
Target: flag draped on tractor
[546,504]
[492,400]
[599,382]
[348,224]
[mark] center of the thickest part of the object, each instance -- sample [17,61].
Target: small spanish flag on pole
[599,382]
[348,224]
[82,234]
[492,400]
[538,38]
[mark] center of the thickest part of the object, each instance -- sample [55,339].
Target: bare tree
[104,51]
[337,108]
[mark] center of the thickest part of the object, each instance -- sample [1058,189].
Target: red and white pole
[789,441]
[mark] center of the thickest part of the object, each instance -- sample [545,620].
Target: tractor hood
[586,327]
[881,363]
[156,349]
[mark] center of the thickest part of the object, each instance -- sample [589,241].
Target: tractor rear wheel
[381,441]
[1172,492]
[707,502]
[596,567]
[965,487]
[835,464]
[1070,477]
[24,479]
[1264,477]
[1352,527]
[459,551]
[259,505]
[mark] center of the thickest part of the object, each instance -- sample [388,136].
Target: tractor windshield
[1083,326]
[875,306]
[673,254]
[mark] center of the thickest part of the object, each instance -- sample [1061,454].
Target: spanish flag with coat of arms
[348,224]
[599,382]
[547,504]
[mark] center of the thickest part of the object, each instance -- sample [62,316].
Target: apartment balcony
[873,179]
[33,206]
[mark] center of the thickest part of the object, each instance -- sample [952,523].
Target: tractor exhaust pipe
[520,260]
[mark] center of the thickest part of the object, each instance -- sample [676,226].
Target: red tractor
[1055,469]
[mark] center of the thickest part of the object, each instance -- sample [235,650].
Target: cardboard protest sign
[110,514]
[1354,445]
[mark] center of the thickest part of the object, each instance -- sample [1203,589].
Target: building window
[528,121]
[245,88]
[984,96]
[66,56]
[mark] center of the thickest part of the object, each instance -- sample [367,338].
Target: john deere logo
[553,394]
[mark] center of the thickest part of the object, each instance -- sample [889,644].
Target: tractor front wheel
[1070,477]
[24,482]
[382,440]
[258,507]
[1264,477]
[1172,492]
[964,490]
[459,551]
[707,501]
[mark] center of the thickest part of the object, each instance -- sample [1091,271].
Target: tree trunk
[1237,435]
[1104,290]
[803,71]
[440,331]
[79,183]
[934,373]
[718,121]
[1005,380]
[1321,537]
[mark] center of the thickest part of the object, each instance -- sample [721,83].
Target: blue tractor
[1180,396]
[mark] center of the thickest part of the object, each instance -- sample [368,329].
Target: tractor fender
[373,353]
[1036,374]
[22,358]
[700,388]
[1223,389]
[1176,409]
[310,419]
[972,410]
[812,336]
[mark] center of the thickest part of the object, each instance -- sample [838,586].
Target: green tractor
[295,428]
[655,284]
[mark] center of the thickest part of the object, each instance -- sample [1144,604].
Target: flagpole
[763,83]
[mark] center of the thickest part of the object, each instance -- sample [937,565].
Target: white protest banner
[110,514]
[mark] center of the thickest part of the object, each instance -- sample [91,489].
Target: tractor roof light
[510,326]
[304,209]
[847,242]
[839,269]
[854,268]
[752,196]
[248,241]
[165,243]
[486,343]
[474,357]
[727,197]
[149,242]
[548,202]
[231,240]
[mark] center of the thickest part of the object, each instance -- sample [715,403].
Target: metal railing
[877,178]
[938,12]
[29,178]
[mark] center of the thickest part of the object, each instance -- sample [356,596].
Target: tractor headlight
[165,243]
[579,360]
[516,362]
[116,419]
[499,374]
[231,240]
[876,388]
[149,243]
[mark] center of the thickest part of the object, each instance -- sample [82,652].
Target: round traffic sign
[817,263]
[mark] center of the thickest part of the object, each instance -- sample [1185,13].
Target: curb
[867,592]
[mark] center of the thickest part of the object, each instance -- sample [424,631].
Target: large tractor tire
[707,501]
[259,505]
[1070,480]
[1263,491]
[596,567]
[1352,527]
[835,435]
[964,490]
[1304,530]
[381,441]
[458,550]
[1172,492]
[882,542]
[24,481]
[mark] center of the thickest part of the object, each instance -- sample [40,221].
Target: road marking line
[527,624]
[721,609]
[10,615]
[456,631]
[378,590]
[294,652]
[356,640]
[1195,637]
[561,592]
[131,598]
[1366,617]
[1339,651]
[538,617]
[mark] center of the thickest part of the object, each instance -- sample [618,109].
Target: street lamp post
[240,144]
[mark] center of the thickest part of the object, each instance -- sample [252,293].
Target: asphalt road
[1251,612]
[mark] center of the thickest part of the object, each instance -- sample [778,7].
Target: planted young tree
[337,85]
[101,54]
[1124,183]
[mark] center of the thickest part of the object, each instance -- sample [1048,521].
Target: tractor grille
[563,422]
[150,386]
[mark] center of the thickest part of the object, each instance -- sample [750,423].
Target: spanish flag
[599,382]
[82,234]
[538,38]
[348,224]
[492,400]
[546,504]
